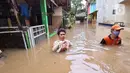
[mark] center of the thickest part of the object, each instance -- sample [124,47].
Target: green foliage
[76,4]
[90,17]
[80,11]
[93,1]
[71,17]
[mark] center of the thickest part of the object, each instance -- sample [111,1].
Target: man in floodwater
[113,38]
[62,44]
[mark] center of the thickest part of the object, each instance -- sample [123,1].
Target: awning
[92,8]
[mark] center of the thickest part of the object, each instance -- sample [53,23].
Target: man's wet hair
[61,30]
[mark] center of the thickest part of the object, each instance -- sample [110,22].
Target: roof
[66,4]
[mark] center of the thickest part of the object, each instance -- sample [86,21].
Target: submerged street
[86,55]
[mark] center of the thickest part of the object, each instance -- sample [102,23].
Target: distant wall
[57,17]
[105,12]
[127,15]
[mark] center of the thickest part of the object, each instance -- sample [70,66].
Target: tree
[93,1]
[76,4]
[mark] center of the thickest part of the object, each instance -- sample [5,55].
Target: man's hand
[65,45]
[0,51]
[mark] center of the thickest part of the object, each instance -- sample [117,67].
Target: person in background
[113,38]
[62,44]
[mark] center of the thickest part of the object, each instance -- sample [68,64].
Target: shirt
[58,45]
[103,42]
[24,10]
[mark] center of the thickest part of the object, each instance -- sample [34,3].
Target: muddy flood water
[86,55]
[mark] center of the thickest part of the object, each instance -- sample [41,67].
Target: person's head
[61,33]
[115,30]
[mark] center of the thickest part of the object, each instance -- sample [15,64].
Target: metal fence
[36,32]
[30,37]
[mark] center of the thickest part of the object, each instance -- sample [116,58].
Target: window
[114,12]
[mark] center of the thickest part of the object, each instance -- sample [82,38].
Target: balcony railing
[35,33]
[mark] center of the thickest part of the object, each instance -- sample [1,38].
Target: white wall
[100,8]
[105,10]
[127,15]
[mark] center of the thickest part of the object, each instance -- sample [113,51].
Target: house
[91,11]
[25,23]
[111,11]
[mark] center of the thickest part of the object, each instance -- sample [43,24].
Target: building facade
[91,11]
[25,23]
[111,11]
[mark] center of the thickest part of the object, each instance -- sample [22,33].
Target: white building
[110,11]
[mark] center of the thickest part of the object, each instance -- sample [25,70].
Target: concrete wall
[127,14]
[57,18]
[58,11]
[56,21]
[105,12]
[101,11]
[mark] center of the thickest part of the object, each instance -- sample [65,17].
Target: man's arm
[103,42]
[56,45]
[70,44]
[119,42]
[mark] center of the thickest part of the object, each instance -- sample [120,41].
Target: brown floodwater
[86,55]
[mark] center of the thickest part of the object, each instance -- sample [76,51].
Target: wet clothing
[58,45]
[109,41]
[24,10]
